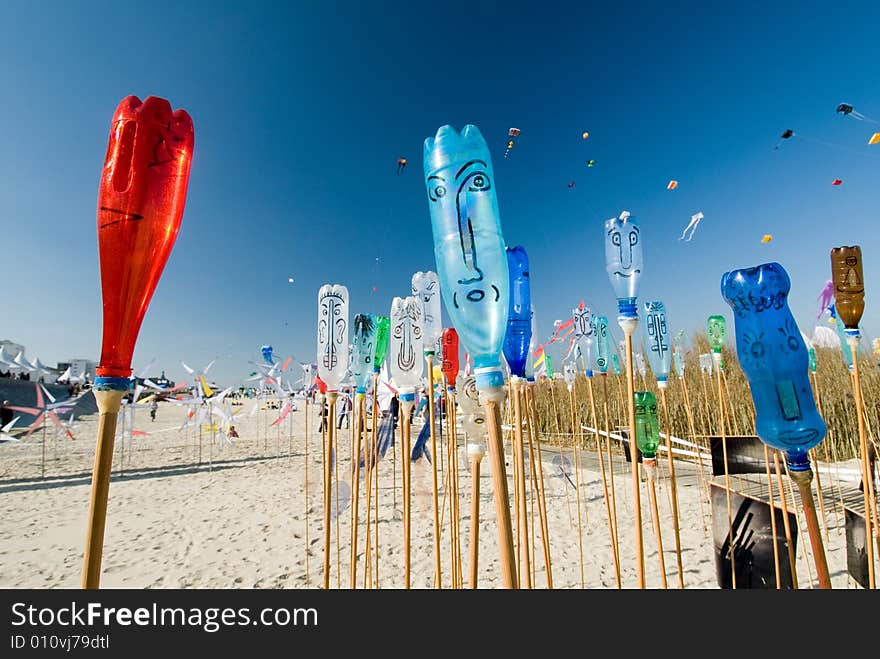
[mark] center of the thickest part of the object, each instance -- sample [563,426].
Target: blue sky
[301,111]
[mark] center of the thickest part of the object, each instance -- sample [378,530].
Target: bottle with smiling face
[774,358]
[623,262]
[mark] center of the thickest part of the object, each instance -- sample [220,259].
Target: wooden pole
[109,402]
[785,521]
[853,342]
[699,460]
[772,517]
[493,398]
[538,473]
[360,413]
[671,464]
[453,440]
[629,325]
[650,465]
[575,438]
[375,457]
[475,451]
[723,432]
[605,406]
[803,479]
[520,460]
[612,522]
[308,547]
[438,578]
[328,447]
[406,407]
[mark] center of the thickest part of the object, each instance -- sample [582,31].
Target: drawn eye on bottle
[436,188]
[478,182]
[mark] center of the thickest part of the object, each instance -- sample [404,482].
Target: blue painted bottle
[519,316]
[775,360]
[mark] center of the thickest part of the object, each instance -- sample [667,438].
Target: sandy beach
[238,518]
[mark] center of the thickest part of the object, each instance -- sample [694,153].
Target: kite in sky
[836,181]
[511,133]
[692,227]
[875,138]
[585,135]
[825,297]
[767,238]
[401,164]
[785,135]
[672,185]
[590,163]
[847,110]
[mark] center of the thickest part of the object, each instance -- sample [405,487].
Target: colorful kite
[585,135]
[767,238]
[590,163]
[401,164]
[512,133]
[672,185]
[836,181]
[825,297]
[875,138]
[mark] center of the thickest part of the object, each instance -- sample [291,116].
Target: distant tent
[24,363]
[825,337]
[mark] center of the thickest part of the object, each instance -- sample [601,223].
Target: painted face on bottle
[406,341]
[658,337]
[426,287]
[332,333]
[469,248]
[849,286]
[583,322]
[465,188]
[774,358]
[623,255]
[600,330]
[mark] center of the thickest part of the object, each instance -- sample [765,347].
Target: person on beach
[395,408]
[344,410]
[6,414]
[154,406]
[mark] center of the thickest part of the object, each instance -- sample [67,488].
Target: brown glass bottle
[849,284]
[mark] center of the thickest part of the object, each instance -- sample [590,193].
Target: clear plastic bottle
[469,247]
[406,349]
[362,350]
[657,341]
[623,261]
[332,334]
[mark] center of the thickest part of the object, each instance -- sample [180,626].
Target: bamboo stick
[109,402]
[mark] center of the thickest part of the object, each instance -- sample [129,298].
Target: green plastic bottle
[647,427]
[383,328]
[716,328]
